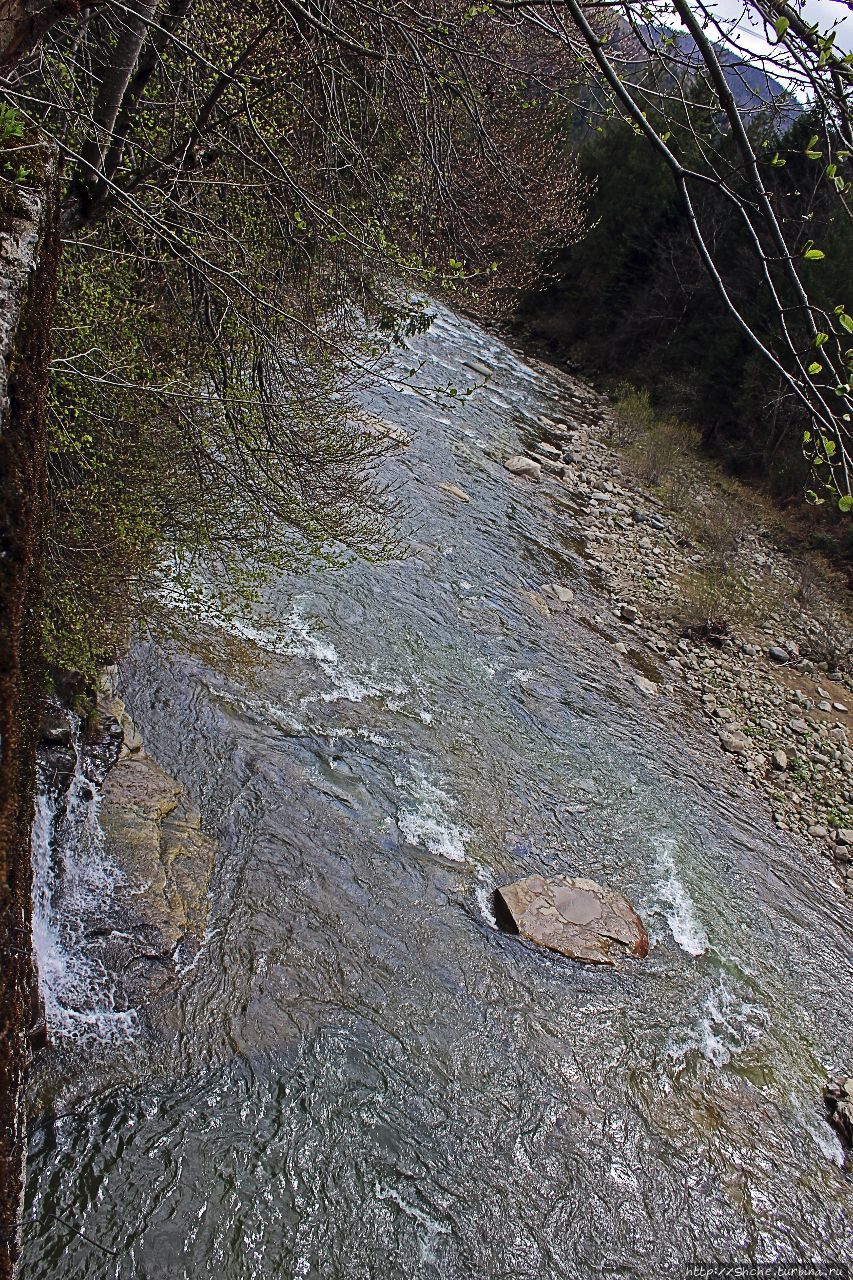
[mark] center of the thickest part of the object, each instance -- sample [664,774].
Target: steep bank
[28,259]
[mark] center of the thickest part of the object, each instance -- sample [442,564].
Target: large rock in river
[579,918]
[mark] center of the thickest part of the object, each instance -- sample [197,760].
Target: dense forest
[632,302]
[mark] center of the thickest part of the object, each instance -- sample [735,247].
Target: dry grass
[658,446]
[712,600]
[830,639]
[721,528]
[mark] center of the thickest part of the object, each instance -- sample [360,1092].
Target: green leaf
[820,339]
[845,321]
[782,25]
[815,367]
[814,255]
[845,502]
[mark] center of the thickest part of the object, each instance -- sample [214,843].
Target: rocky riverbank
[709,604]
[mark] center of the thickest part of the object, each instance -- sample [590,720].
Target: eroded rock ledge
[153,836]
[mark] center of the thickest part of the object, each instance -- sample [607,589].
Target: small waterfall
[73,883]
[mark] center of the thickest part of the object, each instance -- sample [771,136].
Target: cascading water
[370,1081]
[73,881]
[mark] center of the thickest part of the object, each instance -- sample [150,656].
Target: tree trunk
[115,73]
[23,23]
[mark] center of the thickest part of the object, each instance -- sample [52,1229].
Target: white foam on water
[820,1131]
[671,899]
[346,686]
[300,641]
[296,639]
[73,883]
[432,1229]
[424,820]
[522,677]
[484,895]
[726,1024]
[352,688]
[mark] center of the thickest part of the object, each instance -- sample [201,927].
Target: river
[369,1081]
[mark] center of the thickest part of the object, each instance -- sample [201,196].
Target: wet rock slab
[578,918]
[165,858]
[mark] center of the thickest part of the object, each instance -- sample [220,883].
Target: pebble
[455,491]
[565,595]
[734,743]
[636,542]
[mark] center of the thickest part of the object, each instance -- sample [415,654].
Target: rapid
[365,1079]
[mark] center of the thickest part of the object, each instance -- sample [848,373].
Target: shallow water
[370,1082]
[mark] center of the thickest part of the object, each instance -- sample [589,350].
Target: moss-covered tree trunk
[28,260]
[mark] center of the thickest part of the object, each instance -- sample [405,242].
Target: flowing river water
[369,1081]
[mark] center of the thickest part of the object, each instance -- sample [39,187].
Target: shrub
[712,601]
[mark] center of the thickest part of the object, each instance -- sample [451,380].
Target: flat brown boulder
[579,918]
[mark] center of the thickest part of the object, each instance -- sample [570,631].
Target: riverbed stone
[455,492]
[526,468]
[646,686]
[780,760]
[563,595]
[579,918]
